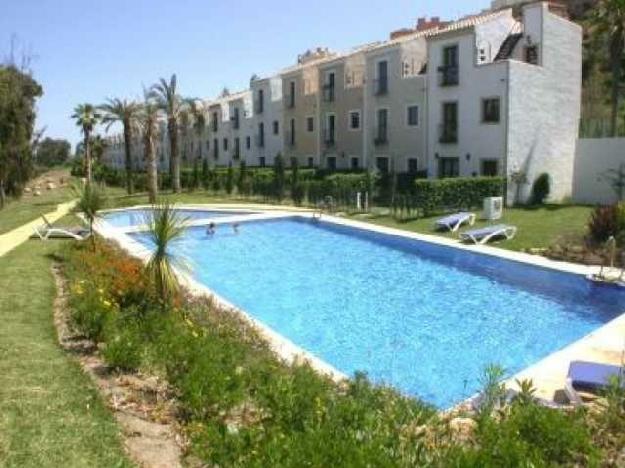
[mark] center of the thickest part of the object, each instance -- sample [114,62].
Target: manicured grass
[50,413]
[537,227]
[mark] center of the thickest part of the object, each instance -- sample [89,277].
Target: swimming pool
[422,317]
[136,217]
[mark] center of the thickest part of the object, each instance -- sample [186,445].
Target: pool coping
[604,344]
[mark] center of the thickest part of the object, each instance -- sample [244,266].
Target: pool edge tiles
[534,367]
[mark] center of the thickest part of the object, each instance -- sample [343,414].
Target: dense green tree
[87,117]
[279,176]
[229,179]
[52,152]
[242,181]
[166,94]
[126,113]
[608,28]
[205,174]
[18,94]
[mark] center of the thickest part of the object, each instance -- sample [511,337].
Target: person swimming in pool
[235,228]
[211,229]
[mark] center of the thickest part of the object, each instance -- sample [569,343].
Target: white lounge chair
[59,233]
[483,235]
[454,221]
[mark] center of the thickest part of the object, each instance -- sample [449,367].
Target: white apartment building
[491,94]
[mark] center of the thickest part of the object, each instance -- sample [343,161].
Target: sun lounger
[454,221]
[59,233]
[592,376]
[483,235]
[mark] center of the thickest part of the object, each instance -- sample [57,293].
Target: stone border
[548,373]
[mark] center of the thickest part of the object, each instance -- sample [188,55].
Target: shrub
[123,349]
[433,195]
[541,189]
[604,222]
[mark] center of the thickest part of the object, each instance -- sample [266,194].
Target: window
[216,148]
[331,162]
[248,142]
[328,87]
[310,124]
[448,167]
[276,127]
[261,161]
[413,116]
[381,83]
[208,145]
[382,127]
[490,167]
[449,71]
[382,164]
[354,120]
[292,136]
[235,119]
[413,165]
[292,94]
[260,102]
[531,54]
[329,130]
[215,122]
[490,110]
[449,127]
[354,163]
[261,135]
[237,147]
[311,162]
[225,144]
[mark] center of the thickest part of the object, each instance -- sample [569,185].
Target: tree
[166,95]
[147,119]
[87,117]
[229,179]
[242,180]
[279,177]
[195,181]
[165,226]
[53,152]
[205,174]
[18,95]
[196,113]
[90,201]
[126,113]
[608,20]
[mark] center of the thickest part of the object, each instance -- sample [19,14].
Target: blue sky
[87,51]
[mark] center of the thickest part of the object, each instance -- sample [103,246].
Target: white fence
[594,159]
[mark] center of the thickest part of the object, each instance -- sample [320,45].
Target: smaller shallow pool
[129,218]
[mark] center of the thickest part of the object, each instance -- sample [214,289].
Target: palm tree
[125,112]
[171,103]
[609,21]
[165,227]
[148,121]
[87,117]
[197,112]
[90,201]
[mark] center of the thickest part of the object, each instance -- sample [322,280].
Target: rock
[50,186]
[37,193]
[537,250]
[28,190]
[576,249]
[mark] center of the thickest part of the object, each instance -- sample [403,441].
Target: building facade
[497,93]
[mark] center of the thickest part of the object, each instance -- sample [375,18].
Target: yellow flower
[106,303]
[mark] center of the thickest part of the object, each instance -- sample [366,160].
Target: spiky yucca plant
[91,199]
[165,226]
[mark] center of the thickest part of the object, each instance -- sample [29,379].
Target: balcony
[289,139]
[329,140]
[259,106]
[448,75]
[381,138]
[328,93]
[448,133]
[380,86]
[259,140]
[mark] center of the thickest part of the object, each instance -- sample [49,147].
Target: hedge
[432,195]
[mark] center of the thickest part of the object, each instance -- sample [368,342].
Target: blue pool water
[424,318]
[129,218]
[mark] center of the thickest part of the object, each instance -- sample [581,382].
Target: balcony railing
[381,138]
[448,133]
[328,92]
[449,75]
[380,86]
[329,137]
[259,140]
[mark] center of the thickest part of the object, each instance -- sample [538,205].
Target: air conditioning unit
[493,208]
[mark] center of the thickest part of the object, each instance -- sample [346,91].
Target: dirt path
[142,405]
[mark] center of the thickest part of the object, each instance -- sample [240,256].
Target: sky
[87,51]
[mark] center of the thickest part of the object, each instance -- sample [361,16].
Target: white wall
[593,158]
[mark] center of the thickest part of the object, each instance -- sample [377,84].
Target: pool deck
[604,345]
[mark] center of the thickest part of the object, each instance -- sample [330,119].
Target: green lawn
[50,412]
[537,227]
[18,212]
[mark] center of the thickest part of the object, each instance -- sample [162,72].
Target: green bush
[123,349]
[606,222]
[541,189]
[432,195]
[89,311]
